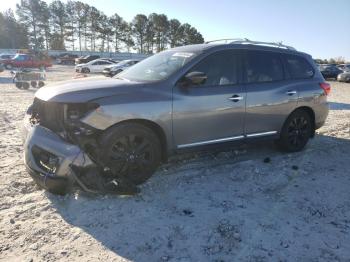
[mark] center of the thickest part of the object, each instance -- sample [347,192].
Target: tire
[25,85]
[33,84]
[85,70]
[41,84]
[131,150]
[9,66]
[18,85]
[296,131]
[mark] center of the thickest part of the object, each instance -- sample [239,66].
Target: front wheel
[296,131]
[85,70]
[132,151]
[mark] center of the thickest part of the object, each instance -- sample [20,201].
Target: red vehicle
[28,61]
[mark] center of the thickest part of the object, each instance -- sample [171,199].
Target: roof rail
[226,40]
[247,41]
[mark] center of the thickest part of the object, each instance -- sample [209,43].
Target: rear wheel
[9,66]
[132,151]
[18,85]
[296,131]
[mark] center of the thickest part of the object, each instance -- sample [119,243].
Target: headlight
[45,160]
[72,115]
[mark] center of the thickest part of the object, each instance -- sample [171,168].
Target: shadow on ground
[180,211]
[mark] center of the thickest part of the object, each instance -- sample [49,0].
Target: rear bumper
[43,146]
[321,114]
[343,78]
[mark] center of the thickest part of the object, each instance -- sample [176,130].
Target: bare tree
[61,24]
[139,29]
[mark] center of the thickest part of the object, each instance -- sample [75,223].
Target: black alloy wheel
[296,131]
[131,150]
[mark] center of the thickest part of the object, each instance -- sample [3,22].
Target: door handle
[291,92]
[236,98]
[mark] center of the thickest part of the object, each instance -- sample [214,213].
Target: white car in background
[112,70]
[95,66]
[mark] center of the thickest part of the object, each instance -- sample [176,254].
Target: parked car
[344,77]
[27,61]
[122,128]
[344,67]
[6,56]
[111,60]
[330,71]
[85,59]
[95,66]
[66,59]
[112,70]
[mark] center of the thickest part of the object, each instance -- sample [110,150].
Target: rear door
[270,96]
[27,61]
[213,111]
[101,65]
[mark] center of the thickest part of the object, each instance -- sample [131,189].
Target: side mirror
[195,78]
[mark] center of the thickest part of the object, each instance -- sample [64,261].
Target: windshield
[157,67]
[19,57]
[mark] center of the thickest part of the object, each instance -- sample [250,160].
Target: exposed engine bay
[87,169]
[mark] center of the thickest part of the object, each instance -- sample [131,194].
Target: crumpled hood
[83,90]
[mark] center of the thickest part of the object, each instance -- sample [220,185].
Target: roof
[239,44]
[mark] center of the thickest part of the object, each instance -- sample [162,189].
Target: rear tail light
[326,88]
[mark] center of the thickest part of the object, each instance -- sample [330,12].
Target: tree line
[77,26]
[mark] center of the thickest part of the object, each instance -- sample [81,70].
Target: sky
[318,27]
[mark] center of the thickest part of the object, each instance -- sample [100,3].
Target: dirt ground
[217,206]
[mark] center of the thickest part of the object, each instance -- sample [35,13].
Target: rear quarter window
[298,67]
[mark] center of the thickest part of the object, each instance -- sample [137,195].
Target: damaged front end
[61,151]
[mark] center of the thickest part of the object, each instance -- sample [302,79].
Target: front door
[211,112]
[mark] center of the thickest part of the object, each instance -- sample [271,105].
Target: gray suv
[190,97]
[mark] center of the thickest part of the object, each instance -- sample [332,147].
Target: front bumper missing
[66,155]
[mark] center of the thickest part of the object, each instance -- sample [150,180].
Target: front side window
[262,67]
[20,58]
[220,69]
[298,67]
[157,67]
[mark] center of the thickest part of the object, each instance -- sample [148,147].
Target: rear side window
[220,68]
[298,67]
[262,67]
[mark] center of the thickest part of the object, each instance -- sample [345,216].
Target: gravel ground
[252,203]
